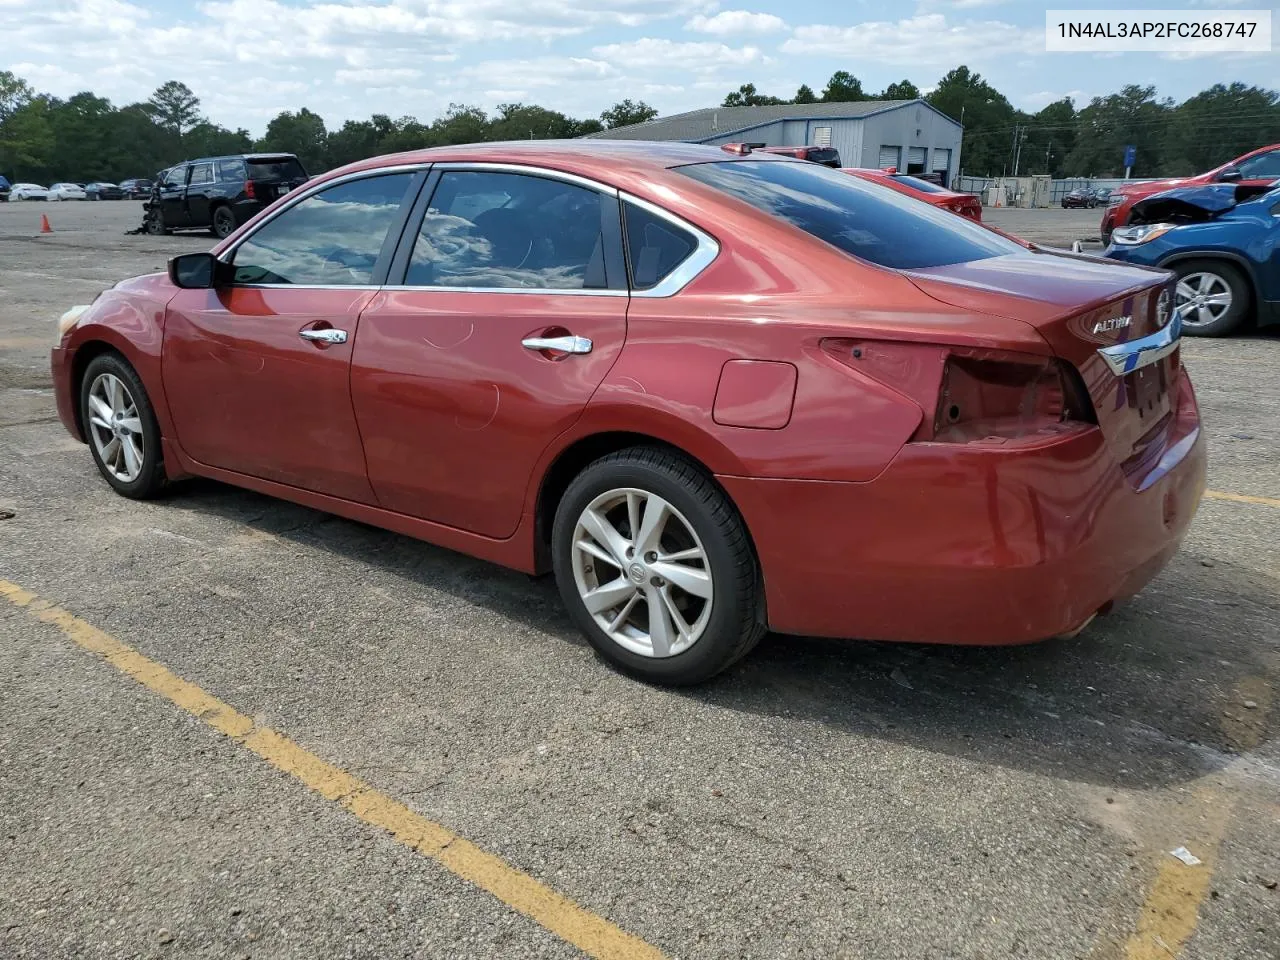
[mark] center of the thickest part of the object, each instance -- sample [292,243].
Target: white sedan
[66,191]
[28,191]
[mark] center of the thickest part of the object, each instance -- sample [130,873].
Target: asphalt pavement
[822,799]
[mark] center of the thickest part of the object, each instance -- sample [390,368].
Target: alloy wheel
[1203,298]
[642,572]
[116,427]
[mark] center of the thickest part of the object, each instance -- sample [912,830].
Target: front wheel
[121,427]
[224,223]
[155,223]
[656,568]
[1213,297]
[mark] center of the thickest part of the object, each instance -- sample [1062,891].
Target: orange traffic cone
[44,224]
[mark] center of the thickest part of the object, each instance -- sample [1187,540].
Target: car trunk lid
[1110,321]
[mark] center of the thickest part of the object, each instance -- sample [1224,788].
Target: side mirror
[194,271]
[1231,175]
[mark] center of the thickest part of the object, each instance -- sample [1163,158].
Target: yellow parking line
[1241,498]
[1172,907]
[592,934]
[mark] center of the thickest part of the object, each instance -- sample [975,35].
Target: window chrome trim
[544,291]
[307,193]
[703,255]
[485,166]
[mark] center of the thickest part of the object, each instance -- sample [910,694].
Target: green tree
[902,90]
[627,112]
[1217,125]
[989,120]
[207,139]
[843,87]
[747,96]
[358,139]
[15,93]
[174,106]
[300,133]
[519,121]
[461,124]
[1050,138]
[805,95]
[1108,124]
[27,143]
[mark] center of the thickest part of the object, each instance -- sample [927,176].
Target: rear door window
[655,247]
[514,231]
[332,238]
[201,173]
[882,226]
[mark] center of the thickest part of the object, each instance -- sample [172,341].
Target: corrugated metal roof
[718,121]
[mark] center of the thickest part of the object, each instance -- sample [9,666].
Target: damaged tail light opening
[975,395]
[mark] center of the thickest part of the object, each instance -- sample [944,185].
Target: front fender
[133,326]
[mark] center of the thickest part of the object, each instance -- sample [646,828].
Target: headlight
[1115,200]
[1142,233]
[70,319]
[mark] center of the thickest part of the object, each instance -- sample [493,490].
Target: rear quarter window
[868,221]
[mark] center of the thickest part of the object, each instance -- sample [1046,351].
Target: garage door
[915,159]
[890,157]
[941,161]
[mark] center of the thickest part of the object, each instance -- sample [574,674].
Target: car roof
[242,156]
[599,158]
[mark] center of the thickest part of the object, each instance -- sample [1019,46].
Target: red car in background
[712,394]
[827,156]
[1255,169]
[965,204]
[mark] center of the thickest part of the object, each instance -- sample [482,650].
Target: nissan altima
[712,393]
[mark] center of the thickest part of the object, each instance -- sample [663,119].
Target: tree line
[85,137]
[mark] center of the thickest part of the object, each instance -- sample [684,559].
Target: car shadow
[1151,695]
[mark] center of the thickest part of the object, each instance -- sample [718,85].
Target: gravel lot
[822,799]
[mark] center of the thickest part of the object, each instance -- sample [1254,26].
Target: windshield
[276,168]
[915,183]
[867,221]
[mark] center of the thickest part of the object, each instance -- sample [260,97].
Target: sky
[345,59]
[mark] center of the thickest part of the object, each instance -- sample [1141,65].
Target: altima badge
[1115,323]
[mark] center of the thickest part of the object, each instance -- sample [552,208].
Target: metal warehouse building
[907,134]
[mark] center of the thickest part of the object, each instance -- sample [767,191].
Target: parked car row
[98,190]
[1087,197]
[712,394]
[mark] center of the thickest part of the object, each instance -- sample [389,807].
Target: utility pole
[1017,156]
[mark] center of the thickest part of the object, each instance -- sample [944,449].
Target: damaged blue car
[1223,242]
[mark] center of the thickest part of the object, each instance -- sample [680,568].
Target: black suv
[220,193]
[136,189]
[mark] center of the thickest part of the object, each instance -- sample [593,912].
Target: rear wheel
[655,566]
[121,427]
[224,222]
[1213,297]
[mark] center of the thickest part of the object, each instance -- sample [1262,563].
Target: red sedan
[714,394]
[965,204]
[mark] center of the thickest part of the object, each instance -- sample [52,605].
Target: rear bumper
[60,362]
[971,544]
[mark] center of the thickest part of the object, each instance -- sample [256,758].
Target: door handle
[562,344]
[326,335]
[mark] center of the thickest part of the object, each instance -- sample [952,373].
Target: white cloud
[927,39]
[660,55]
[925,6]
[736,21]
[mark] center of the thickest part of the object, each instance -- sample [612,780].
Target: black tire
[224,222]
[151,479]
[737,618]
[1235,281]
[155,223]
